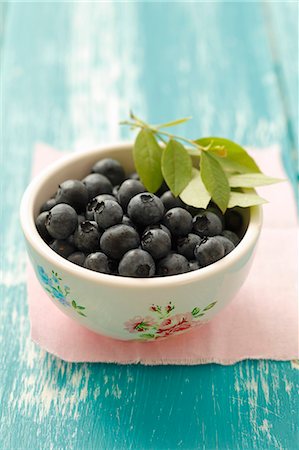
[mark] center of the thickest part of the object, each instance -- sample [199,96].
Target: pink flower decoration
[139,324]
[174,324]
[164,324]
[169,308]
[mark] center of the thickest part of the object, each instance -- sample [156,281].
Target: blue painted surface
[70,72]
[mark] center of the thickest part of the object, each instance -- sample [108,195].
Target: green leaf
[173,123]
[195,311]
[210,306]
[80,307]
[147,158]
[176,166]
[146,336]
[81,313]
[237,159]
[215,180]
[74,304]
[218,151]
[195,193]
[245,199]
[249,180]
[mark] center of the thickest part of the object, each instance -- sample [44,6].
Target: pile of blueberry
[111,224]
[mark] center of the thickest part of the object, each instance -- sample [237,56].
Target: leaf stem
[179,138]
[140,124]
[161,139]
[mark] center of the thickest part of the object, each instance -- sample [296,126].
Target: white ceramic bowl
[130,308]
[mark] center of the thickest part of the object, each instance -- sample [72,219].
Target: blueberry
[233,220]
[94,202]
[111,168]
[61,221]
[193,210]
[194,265]
[62,247]
[127,190]
[40,223]
[77,258]
[89,213]
[71,240]
[98,262]
[115,191]
[102,197]
[158,226]
[187,244]
[119,239]
[145,209]
[231,236]
[134,176]
[113,266]
[172,264]
[156,242]
[97,184]
[216,210]
[178,221]
[108,213]
[209,251]
[227,244]
[74,193]
[207,223]
[87,236]
[48,205]
[170,201]
[137,263]
[81,218]
[127,221]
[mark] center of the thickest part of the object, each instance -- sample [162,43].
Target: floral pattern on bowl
[58,291]
[164,322]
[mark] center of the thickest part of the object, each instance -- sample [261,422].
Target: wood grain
[70,72]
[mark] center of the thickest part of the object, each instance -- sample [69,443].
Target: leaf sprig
[198,170]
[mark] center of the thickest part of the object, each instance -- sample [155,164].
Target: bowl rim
[34,239]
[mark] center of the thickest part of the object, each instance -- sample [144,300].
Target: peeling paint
[288,385]
[116,391]
[295,364]
[266,429]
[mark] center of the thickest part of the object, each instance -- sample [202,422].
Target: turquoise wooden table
[70,72]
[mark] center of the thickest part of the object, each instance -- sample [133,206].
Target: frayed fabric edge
[170,362]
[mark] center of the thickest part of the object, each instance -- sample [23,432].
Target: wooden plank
[281,20]
[52,404]
[75,71]
[216,67]
[3,14]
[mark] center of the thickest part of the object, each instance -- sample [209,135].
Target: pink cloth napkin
[261,322]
